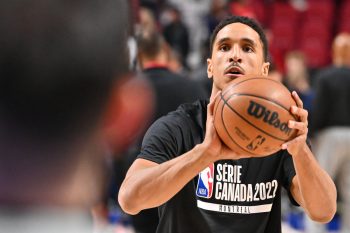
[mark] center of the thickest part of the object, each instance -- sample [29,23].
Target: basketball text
[270,117]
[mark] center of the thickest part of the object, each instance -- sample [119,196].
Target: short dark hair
[149,43]
[244,20]
[58,63]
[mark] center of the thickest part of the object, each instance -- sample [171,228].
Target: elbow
[324,211]
[324,216]
[127,203]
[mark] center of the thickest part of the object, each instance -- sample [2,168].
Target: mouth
[234,72]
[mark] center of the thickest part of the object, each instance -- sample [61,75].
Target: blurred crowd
[168,42]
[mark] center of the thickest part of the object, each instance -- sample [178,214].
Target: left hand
[296,144]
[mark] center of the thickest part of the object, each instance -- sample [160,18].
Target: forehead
[238,31]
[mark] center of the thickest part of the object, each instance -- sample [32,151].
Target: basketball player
[246,192]
[60,61]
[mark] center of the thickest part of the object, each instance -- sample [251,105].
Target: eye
[224,47]
[248,49]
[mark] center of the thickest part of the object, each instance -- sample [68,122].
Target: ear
[128,112]
[209,68]
[265,69]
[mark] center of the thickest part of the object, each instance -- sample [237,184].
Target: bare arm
[312,187]
[147,184]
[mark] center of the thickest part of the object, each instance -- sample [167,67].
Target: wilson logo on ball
[251,116]
[270,117]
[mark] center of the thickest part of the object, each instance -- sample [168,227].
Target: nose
[235,56]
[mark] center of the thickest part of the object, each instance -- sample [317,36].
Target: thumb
[211,105]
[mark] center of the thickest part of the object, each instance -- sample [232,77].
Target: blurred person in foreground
[202,186]
[331,125]
[61,69]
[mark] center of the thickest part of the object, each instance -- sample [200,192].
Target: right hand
[212,144]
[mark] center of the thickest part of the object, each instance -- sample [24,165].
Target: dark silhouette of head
[59,62]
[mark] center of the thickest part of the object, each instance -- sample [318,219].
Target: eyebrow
[249,41]
[244,39]
[222,40]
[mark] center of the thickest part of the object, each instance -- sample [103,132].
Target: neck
[161,60]
[154,64]
[341,64]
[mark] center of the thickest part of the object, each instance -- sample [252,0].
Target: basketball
[251,116]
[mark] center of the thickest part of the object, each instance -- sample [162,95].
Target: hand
[296,144]
[212,144]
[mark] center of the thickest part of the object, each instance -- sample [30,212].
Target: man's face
[237,51]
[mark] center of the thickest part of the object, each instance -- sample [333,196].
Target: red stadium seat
[317,52]
[284,25]
[316,29]
[322,10]
[344,22]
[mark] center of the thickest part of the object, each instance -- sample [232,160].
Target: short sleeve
[289,173]
[161,140]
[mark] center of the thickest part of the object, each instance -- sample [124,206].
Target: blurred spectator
[331,125]
[297,78]
[153,5]
[175,64]
[200,73]
[176,34]
[60,62]
[274,73]
[194,13]
[171,90]
[218,11]
[148,21]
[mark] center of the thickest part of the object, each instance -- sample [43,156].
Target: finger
[297,99]
[301,113]
[284,146]
[301,126]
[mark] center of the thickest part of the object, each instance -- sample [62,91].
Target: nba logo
[256,142]
[206,182]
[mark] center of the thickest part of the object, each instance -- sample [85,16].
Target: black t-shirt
[229,196]
[331,105]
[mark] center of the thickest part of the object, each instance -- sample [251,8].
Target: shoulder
[196,107]
[175,133]
[194,112]
[187,117]
[327,74]
[197,111]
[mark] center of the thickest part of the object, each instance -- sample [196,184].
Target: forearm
[317,190]
[153,186]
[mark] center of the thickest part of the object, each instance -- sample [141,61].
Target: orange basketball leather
[251,116]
